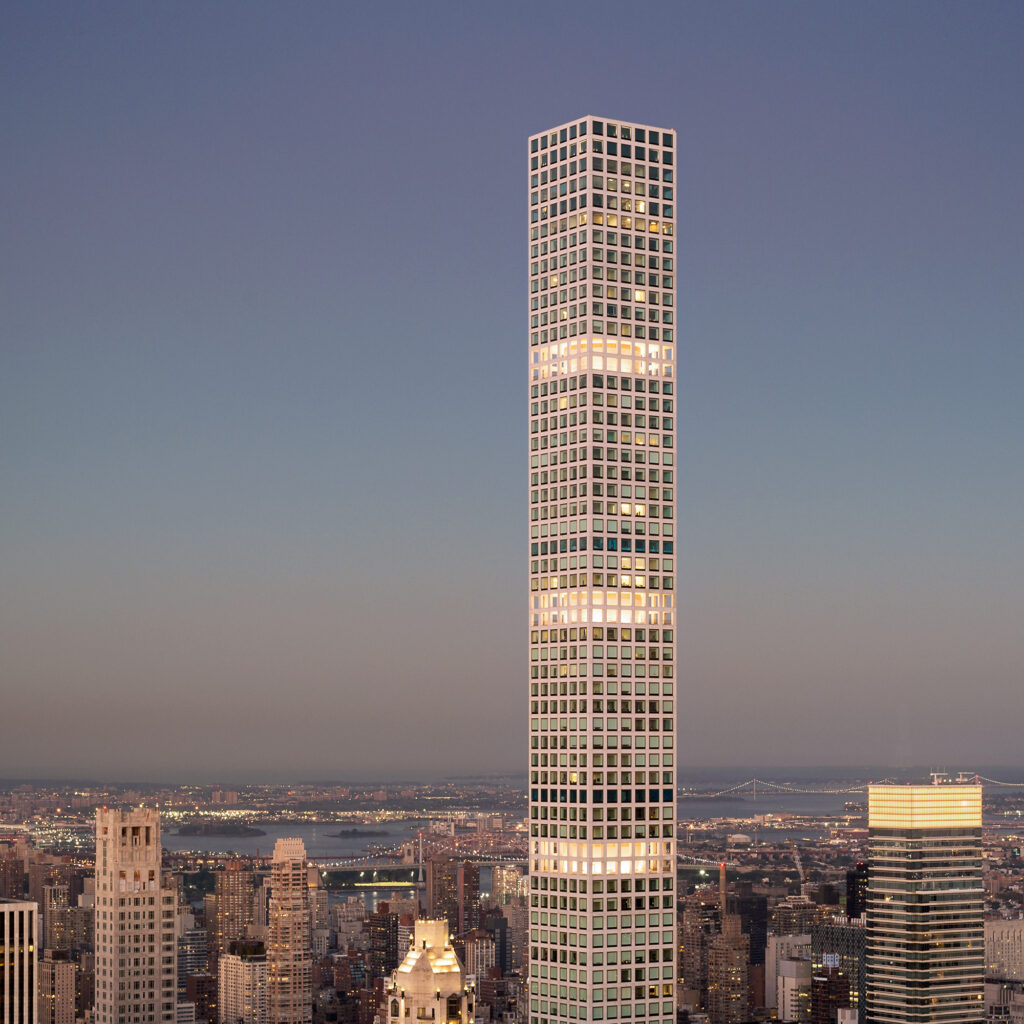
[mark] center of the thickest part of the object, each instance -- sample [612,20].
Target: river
[318,839]
[322,845]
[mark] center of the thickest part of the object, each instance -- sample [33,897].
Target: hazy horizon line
[844,771]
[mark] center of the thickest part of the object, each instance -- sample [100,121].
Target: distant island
[348,833]
[218,828]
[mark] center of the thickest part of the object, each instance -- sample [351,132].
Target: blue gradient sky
[262,388]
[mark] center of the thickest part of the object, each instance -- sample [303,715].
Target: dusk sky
[263,333]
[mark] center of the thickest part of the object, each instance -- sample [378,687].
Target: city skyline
[260,362]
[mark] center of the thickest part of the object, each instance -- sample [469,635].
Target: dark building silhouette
[201,989]
[830,992]
[383,957]
[496,992]
[827,895]
[753,914]
[85,983]
[857,890]
[496,926]
[12,877]
[453,892]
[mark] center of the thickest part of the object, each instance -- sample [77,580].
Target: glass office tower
[925,905]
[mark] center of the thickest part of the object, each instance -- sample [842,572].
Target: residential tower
[601,367]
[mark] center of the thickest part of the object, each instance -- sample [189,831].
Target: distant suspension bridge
[751,786]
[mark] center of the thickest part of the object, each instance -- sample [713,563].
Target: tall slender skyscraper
[925,905]
[602,572]
[289,952]
[136,950]
[235,892]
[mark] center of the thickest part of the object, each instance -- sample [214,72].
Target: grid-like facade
[136,952]
[233,914]
[243,988]
[289,952]
[602,572]
[841,946]
[925,905]
[56,988]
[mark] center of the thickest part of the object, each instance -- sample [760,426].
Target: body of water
[770,803]
[319,842]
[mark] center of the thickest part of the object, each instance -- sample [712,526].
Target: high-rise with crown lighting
[925,905]
[602,572]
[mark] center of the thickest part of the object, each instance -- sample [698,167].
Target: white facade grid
[601,368]
[242,993]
